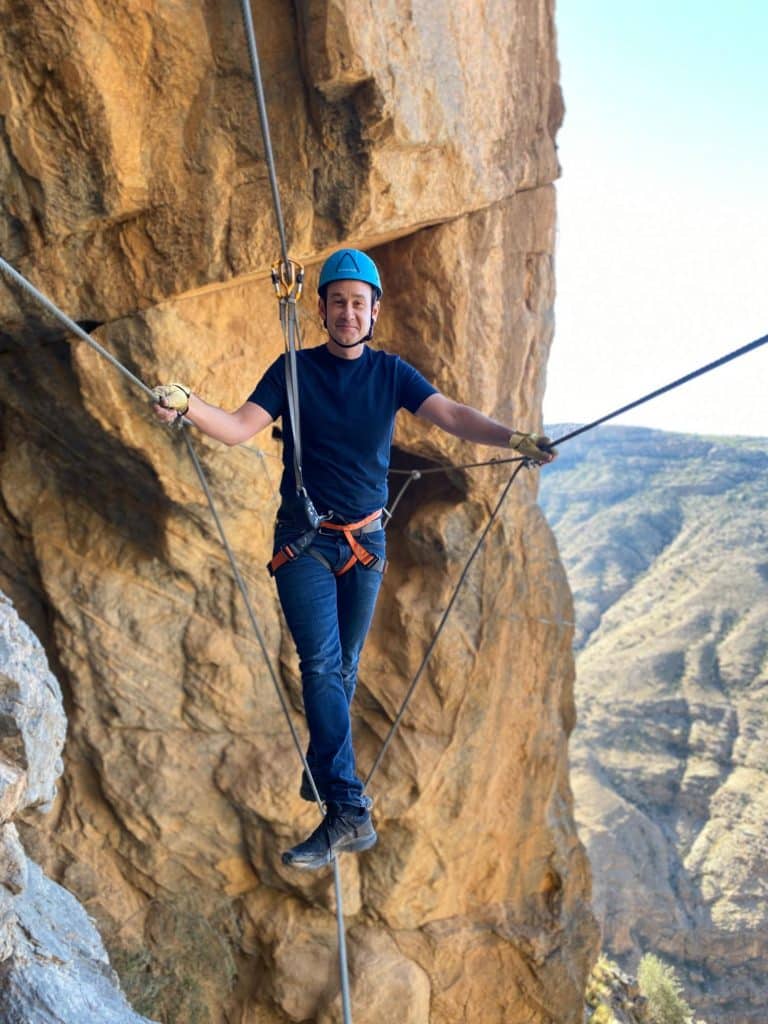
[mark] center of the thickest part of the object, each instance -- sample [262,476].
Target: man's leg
[358,591]
[308,597]
[357,596]
[347,826]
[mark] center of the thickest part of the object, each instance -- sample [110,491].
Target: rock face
[136,196]
[53,967]
[132,158]
[664,536]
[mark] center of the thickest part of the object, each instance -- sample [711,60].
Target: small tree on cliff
[661,987]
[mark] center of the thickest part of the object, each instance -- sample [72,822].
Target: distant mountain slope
[664,539]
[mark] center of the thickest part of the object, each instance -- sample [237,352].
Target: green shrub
[185,965]
[660,986]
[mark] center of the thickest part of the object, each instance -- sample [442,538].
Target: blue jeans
[329,618]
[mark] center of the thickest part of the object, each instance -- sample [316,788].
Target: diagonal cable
[71,325]
[75,328]
[249,608]
[441,626]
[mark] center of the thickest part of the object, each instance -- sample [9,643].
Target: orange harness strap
[359,553]
[280,558]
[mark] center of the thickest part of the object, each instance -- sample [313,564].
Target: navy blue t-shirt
[347,412]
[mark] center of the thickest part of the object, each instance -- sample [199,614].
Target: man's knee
[321,672]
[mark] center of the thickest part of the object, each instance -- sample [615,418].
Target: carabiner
[288,279]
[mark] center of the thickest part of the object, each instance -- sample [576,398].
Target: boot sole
[314,863]
[356,845]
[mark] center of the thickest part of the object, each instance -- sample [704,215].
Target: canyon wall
[135,195]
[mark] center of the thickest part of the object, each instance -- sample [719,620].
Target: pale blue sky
[663,213]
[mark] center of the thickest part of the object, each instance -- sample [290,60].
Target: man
[329,551]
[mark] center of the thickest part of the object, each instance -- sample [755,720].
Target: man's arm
[472,425]
[463,421]
[229,427]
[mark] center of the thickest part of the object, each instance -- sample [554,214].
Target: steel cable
[75,328]
[427,654]
[292,389]
[71,325]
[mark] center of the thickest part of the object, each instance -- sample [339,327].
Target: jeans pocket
[376,542]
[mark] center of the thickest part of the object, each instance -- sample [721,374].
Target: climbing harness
[351,531]
[288,552]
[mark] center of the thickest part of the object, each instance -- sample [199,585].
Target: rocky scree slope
[664,538]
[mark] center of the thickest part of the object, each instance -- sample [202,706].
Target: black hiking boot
[344,829]
[305,792]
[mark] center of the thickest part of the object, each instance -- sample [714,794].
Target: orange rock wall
[136,196]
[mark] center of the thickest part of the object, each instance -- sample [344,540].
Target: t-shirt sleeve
[413,389]
[269,393]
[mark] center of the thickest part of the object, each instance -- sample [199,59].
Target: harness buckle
[371,561]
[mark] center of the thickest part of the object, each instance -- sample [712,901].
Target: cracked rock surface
[53,965]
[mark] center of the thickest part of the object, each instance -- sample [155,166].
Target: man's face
[348,310]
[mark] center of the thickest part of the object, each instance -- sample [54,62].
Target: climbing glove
[172,396]
[537,447]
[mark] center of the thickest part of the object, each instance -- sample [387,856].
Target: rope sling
[287,277]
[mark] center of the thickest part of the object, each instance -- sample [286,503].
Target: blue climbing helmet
[350,265]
